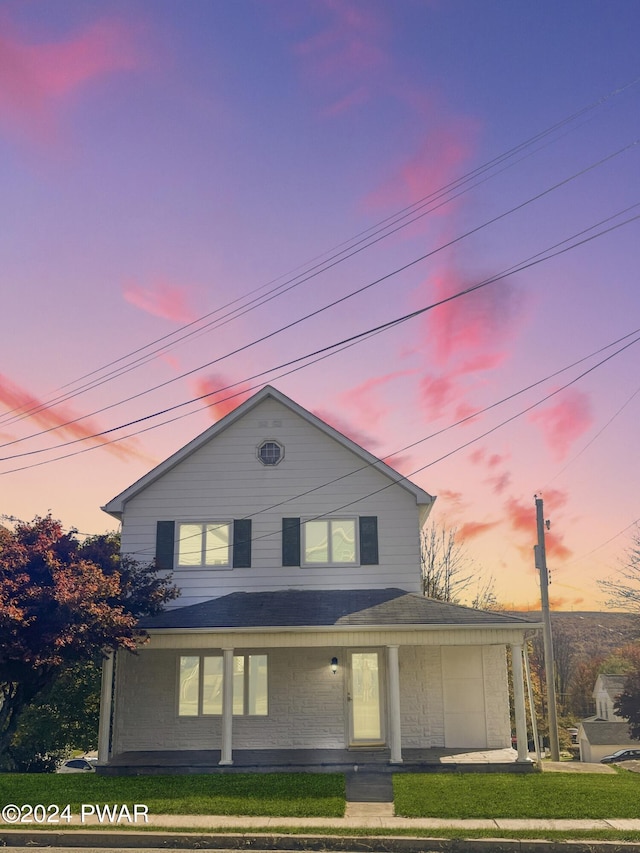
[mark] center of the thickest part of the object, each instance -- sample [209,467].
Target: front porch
[439,760]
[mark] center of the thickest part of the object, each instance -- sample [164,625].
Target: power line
[448,454]
[392,220]
[338,301]
[537,259]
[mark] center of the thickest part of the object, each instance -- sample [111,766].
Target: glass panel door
[364,695]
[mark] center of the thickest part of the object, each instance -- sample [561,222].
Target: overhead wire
[393,219]
[540,257]
[401,478]
[335,302]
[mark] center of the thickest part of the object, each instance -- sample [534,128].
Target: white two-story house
[605,732]
[300,624]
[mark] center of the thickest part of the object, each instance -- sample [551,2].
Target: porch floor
[314,761]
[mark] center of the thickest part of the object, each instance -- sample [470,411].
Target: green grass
[269,794]
[505,795]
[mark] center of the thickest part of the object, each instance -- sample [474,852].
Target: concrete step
[367,787]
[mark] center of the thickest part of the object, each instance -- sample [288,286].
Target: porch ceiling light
[334,665]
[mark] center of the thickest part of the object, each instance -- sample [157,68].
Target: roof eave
[301,629]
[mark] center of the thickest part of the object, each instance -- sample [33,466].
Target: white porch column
[518,701]
[395,732]
[226,756]
[106,693]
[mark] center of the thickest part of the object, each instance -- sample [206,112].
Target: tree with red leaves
[63,602]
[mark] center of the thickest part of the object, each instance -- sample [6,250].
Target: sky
[200,198]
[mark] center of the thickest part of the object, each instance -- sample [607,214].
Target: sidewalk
[222,832]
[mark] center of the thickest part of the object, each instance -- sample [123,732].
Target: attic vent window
[270,452]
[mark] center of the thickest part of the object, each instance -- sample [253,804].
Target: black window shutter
[242,543]
[165,538]
[290,541]
[368,540]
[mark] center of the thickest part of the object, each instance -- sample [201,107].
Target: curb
[311,843]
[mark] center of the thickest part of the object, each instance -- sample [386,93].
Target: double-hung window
[204,544]
[338,541]
[330,541]
[209,544]
[200,685]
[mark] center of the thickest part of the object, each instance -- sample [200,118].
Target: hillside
[592,633]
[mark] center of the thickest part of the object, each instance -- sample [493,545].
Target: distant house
[300,626]
[606,691]
[605,732]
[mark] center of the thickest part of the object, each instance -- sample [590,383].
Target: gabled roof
[295,608]
[115,506]
[612,684]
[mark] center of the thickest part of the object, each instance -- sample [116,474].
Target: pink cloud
[353,99]
[564,421]
[482,361]
[471,529]
[480,457]
[464,336]
[346,57]
[401,462]
[555,499]
[161,300]
[36,77]
[230,398]
[500,483]
[471,330]
[464,412]
[19,401]
[522,519]
[477,457]
[366,399]
[347,44]
[437,161]
[437,393]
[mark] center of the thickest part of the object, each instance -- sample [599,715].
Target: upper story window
[204,543]
[330,541]
[270,452]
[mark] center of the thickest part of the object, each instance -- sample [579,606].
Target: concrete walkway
[368,816]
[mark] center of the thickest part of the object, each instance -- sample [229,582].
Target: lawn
[268,794]
[506,795]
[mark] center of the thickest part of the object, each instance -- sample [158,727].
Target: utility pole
[549,667]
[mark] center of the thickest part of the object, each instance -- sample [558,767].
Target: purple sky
[251,163]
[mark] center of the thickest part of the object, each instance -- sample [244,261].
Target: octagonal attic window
[270,452]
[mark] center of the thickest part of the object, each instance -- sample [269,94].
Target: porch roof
[294,608]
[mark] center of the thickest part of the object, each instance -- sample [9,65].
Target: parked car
[621,755]
[77,765]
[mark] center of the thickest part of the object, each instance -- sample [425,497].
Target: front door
[365,699]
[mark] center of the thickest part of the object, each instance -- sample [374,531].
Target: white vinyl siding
[223,479]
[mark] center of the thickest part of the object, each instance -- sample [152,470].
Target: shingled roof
[325,608]
[605,733]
